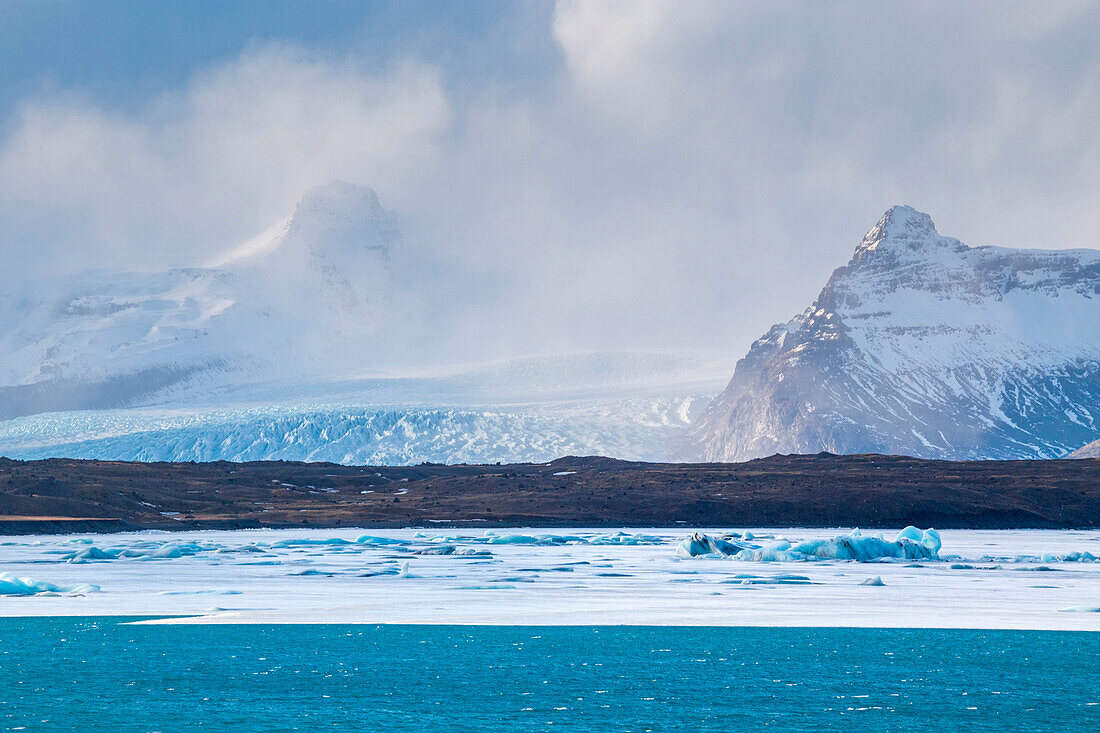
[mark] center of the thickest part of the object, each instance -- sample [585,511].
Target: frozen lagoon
[1001,579]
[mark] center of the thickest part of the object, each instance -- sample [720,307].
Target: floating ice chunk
[367,539]
[441,550]
[851,546]
[89,554]
[930,538]
[11,585]
[1081,609]
[876,581]
[702,544]
[1040,569]
[383,571]
[1070,557]
[168,552]
[146,551]
[282,544]
[513,539]
[625,538]
[774,580]
[251,547]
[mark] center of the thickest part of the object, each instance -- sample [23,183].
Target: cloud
[199,169]
[790,126]
[661,175]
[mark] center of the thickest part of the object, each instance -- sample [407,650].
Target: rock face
[923,346]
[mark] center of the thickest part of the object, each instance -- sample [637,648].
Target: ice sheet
[1026,579]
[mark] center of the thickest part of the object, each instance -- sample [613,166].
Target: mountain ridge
[923,346]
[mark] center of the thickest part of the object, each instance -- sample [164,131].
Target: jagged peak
[901,227]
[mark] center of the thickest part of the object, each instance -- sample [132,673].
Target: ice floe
[909,544]
[12,585]
[568,576]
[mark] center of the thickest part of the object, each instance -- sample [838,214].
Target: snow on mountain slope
[923,346]
[283,301]
[1092,450]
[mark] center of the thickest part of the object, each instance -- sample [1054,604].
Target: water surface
[102,674]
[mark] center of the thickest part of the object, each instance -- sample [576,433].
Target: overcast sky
[667,175]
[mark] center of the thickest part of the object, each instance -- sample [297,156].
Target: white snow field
[1012,579]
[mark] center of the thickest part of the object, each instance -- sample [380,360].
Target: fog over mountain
[566,176]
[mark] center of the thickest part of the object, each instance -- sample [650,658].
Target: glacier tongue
[643,429]
[923,346]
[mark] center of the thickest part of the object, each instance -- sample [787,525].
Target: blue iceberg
[910,544]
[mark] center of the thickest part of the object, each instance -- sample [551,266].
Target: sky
[665,175]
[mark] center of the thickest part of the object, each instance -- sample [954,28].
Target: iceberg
[910,544]
[12,585]
[165,551]
[702,544]
[312,542]
[367,539]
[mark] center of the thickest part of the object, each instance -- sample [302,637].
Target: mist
[654,176]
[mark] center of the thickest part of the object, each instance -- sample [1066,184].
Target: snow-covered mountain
[105,339]
[1092,450]
[290,346]
[923,346]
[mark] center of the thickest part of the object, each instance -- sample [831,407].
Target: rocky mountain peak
[924,346]
[901,229]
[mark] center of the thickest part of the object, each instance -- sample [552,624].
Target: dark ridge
[823,490]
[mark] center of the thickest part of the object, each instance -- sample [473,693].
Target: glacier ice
[702,544]
[144,551]
[910,544]
[549,576]
[13,585]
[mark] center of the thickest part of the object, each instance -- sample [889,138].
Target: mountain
[295,345]
[298,298]
[1092,450]
[923,346]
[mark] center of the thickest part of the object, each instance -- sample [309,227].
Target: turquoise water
[99,674]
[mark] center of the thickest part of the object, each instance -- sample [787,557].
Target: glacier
[648,428]
[297,345]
